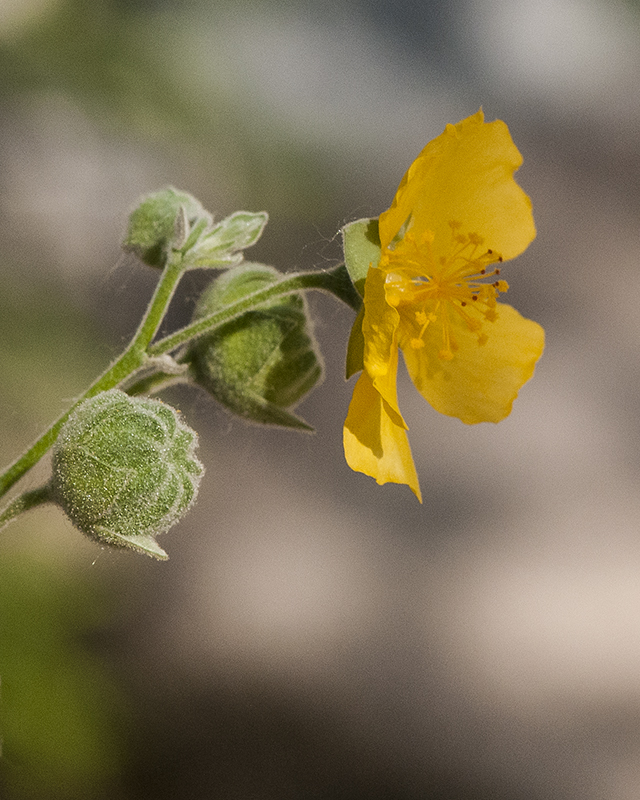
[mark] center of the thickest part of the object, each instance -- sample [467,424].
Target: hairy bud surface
[125,469]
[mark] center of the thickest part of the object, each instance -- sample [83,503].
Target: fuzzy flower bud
[125,470]
[263,363]
[161,222]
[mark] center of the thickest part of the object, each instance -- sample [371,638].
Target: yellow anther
[458,281]
[487,294]
[427,237]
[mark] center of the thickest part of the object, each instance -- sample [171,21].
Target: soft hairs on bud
[125,470]
[161,221]
[263,363]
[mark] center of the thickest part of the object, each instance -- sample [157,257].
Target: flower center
[458,283]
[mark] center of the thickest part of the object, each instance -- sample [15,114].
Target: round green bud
[125,470]
[260,365]
[162,221]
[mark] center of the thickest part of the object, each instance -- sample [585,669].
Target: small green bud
[263,363]
[125,470]
[161,222]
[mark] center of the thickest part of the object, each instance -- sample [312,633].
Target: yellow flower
[457,215]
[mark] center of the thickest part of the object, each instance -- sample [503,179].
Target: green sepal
[361,243]
[222,246]
[261,364]
[343,288]
[156,226]
[141,543]
[355,348]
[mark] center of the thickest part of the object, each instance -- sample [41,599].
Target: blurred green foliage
[102,55]
[60,710]
[128,66]
[49,352]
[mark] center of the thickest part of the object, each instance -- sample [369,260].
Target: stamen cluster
[455,283]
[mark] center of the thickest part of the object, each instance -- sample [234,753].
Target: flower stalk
[140,352]
[334,281]
[131,360]
[23,502]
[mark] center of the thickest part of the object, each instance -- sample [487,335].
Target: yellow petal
[379,327]
[375,439]
[355,347]
[379,324]
[465,175]
[481,381]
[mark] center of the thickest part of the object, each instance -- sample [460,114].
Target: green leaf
[361,243]
[222,246]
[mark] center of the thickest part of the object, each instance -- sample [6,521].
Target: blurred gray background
[314,635]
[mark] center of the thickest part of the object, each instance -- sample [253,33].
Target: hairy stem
[156,382]
[140,350]
[335,281]
[23,502]
[133,358]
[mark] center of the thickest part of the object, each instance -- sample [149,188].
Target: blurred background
[314,635]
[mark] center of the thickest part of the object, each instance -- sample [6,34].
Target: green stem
[137,354]
[159,302]
[23,502]
[335,281]
[133,358]
[156,382]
